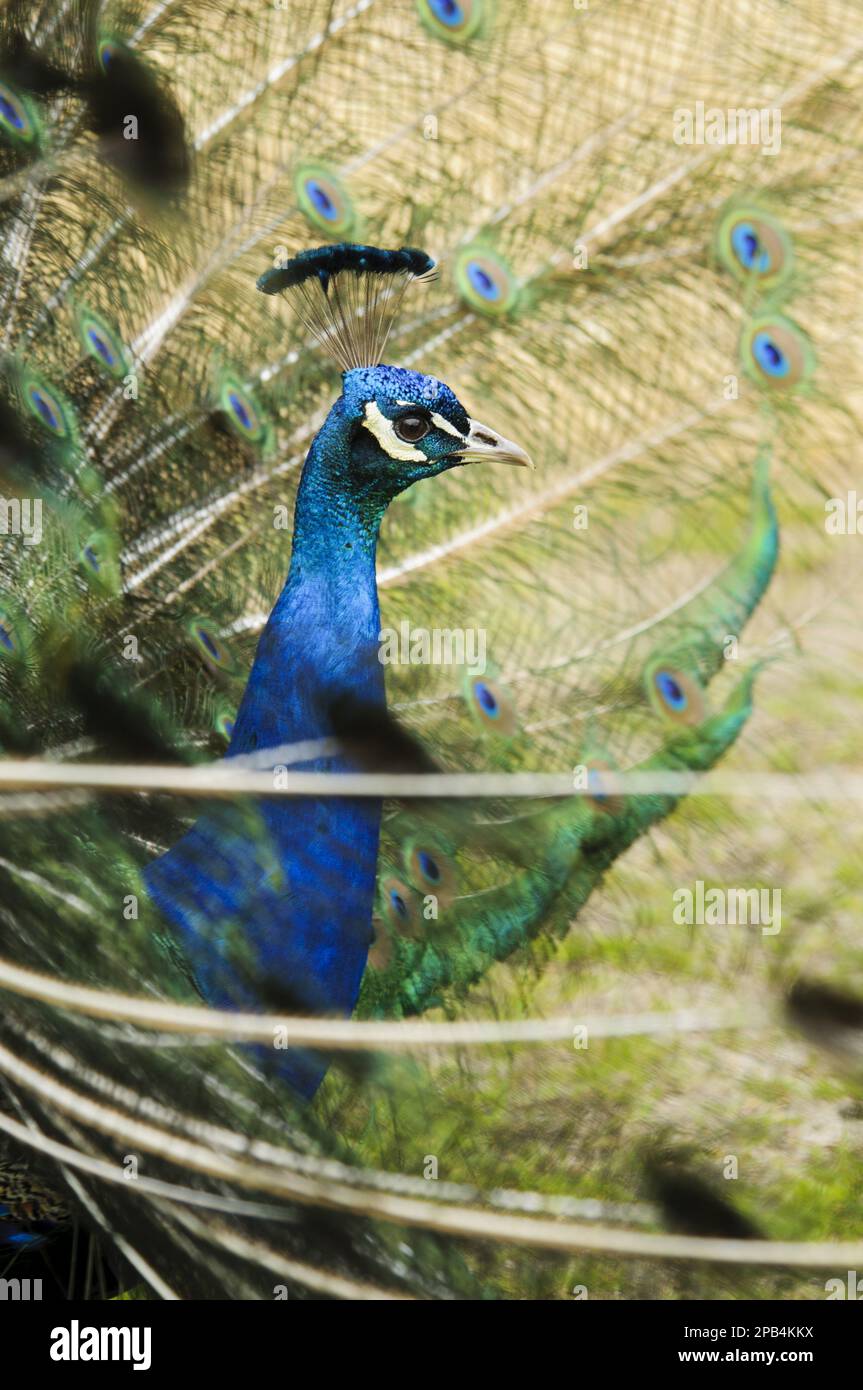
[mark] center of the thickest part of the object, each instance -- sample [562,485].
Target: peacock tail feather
[666,317]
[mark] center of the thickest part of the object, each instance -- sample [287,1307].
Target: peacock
[323,725]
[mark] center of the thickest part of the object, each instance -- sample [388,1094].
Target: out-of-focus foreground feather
[672,327]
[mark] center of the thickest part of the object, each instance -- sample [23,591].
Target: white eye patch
[443,424]
[383,431]
[439,421]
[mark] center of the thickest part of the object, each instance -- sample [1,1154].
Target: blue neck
[321,641]
[279,892]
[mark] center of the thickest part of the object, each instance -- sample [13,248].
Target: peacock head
[405,426]
[397,426]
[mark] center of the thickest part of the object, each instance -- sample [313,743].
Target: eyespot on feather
[400,906]
[455,21]
[674,694]
[99,562]
[223,723]
[485,281]
[19,121]
[324,199]
[754,245]
[14,633]
[209,646]
[107,53]
[776,353]
[491,704]
[102,342]
[156,161]
[8,640]
[49,406]
[431,870]
[241,410]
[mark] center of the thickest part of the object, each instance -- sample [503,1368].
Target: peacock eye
[412,426]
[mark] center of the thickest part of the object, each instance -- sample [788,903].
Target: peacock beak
[484,444]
